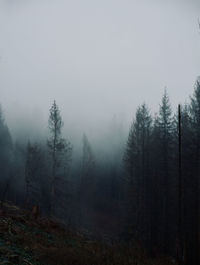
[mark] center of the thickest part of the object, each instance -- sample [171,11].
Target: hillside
[26,241]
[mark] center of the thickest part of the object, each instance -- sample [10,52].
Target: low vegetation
[25,240]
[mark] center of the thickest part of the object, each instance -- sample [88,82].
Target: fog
[96,58]
[114,170]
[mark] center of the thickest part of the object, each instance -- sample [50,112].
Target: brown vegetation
[25,241]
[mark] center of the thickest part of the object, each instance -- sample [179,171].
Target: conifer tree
[59,150]
[137,163]
[6,152]
[164,127]
[33,167]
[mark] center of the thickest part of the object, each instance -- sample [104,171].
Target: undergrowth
[26,241]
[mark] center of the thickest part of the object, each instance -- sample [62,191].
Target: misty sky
[96,58]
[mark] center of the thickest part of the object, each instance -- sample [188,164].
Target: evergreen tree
[193,188]
[33,169]
[187,185]
[87,183]
[59,150]
[88,161]
[6,152]
[164,129]
[137,163]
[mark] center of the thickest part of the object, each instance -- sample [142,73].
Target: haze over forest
[96,59]
[100,122]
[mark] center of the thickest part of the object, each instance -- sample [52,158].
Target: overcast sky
[96,58]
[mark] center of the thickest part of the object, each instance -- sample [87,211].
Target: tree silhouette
[59,149]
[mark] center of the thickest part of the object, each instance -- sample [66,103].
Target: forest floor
[26,241]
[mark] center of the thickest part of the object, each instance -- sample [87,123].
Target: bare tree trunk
[27,195]
[52,188]
[180,211]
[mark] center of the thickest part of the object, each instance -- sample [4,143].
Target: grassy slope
[27,241]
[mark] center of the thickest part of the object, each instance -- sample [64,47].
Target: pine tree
[137,163]
[6,152]
[33,166]
[59,150]
[87,182]
[192,236]
[88,161]
[165,141]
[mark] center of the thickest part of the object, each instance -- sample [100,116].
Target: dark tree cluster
[152,162]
